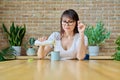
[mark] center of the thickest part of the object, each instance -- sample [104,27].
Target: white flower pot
[93,50]
[30,52]
[17,50]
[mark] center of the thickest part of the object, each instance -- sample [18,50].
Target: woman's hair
[72,14]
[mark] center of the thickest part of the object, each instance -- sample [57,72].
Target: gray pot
[93,50]
[17,50]
[30,52]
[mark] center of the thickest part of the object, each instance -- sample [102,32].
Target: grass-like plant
[15,34]
[96,34]
[7,54]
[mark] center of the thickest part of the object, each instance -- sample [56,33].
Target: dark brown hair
[72,14]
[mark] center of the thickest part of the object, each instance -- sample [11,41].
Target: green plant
[30,43]
[116,56]
[96,35]
[15,34]
[117,42]
[7,54]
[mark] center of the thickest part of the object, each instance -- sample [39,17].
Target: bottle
[38,43]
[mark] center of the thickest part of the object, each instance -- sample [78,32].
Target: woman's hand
[42,39]
[41,50]
[81,27]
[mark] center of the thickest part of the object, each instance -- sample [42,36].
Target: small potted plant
[7,54]
[116,55]
[30,50]
[15,35]
[96,35]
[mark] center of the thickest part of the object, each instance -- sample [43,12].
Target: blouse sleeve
[54,36]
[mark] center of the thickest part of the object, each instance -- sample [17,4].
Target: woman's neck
[68,35]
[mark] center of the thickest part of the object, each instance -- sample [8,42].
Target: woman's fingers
[42,38]
[81,27]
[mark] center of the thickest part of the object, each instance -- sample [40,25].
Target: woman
[71,41]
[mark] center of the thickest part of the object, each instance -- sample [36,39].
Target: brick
[42,17]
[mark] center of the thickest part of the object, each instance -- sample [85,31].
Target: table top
[59,70]
[91,57]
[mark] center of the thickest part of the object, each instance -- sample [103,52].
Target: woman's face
[68,24]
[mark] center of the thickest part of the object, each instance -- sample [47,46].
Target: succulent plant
[29,43]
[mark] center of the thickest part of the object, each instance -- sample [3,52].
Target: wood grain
[91,57]
[60,70]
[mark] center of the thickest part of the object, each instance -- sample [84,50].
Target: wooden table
[60,70]
[91,57]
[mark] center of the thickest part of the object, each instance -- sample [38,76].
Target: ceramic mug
[55,55]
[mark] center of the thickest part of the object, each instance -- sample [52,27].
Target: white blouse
[72,51]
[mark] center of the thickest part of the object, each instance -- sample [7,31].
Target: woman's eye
[70,21]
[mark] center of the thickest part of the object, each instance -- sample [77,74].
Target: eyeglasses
[70,23]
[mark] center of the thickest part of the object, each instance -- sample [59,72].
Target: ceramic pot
[30,52]
[17,50]
[93,50]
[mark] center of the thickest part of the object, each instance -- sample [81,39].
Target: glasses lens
[70,23]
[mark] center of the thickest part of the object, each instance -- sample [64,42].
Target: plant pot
[93,50]
[30,52]
[17,50]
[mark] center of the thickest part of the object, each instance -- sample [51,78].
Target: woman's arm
[81,52]
[82,48]
[43,51]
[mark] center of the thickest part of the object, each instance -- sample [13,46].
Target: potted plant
[7,54]
[15,36]
[30,47]
[96,35]
[116,55]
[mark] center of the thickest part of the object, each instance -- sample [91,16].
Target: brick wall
[42,17]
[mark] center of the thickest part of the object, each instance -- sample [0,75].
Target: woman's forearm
[43,51]
[81,48]
[40,52]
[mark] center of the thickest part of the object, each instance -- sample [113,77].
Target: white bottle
[38,43]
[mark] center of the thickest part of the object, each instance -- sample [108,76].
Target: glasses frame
[69,23]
